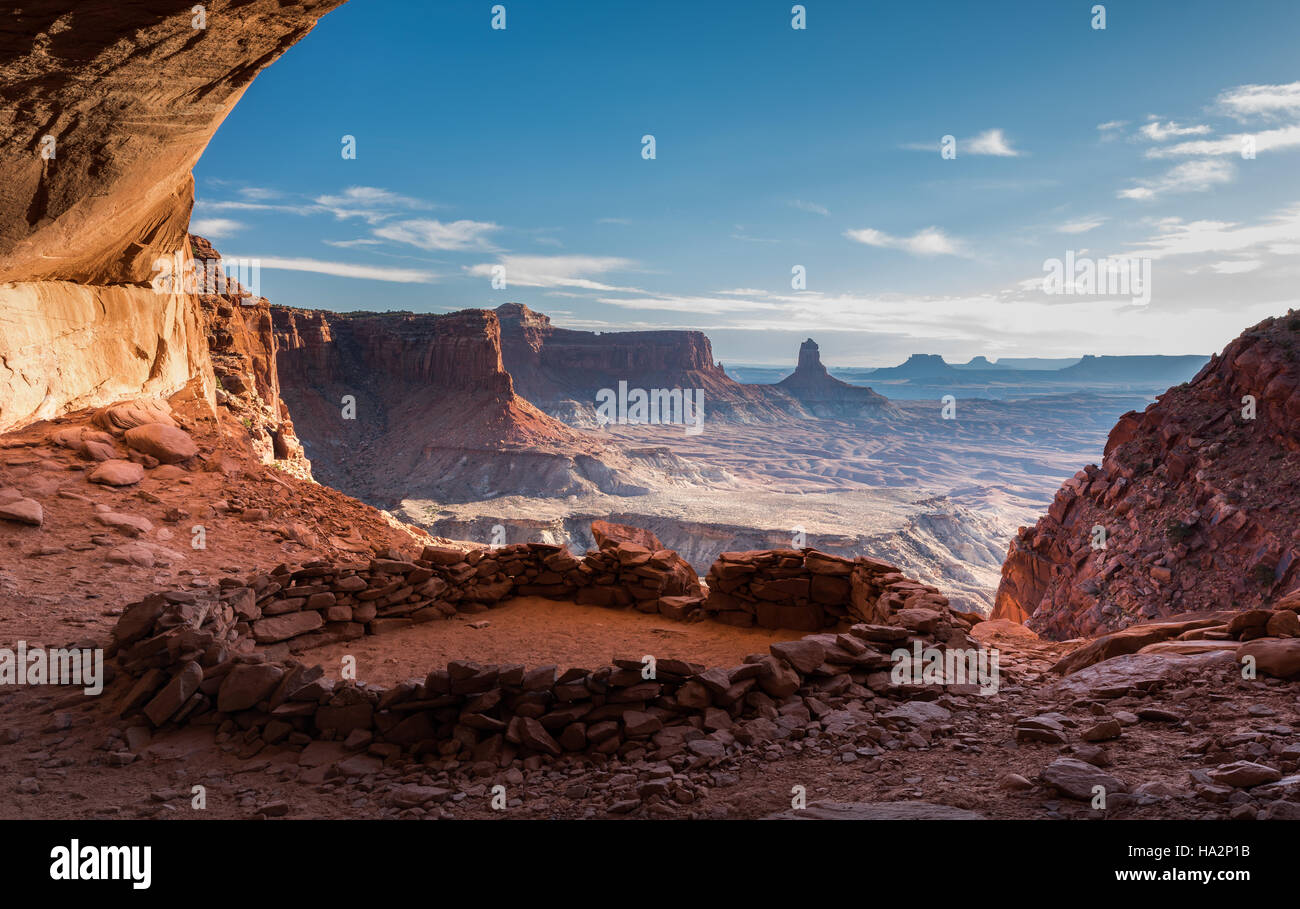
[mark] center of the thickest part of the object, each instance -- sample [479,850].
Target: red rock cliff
[403,405]
[561,370]
[242,346]
[1197,498]
[106,106]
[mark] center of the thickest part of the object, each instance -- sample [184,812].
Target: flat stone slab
[877,811]
[1114,677]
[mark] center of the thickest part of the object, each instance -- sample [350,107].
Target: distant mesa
[918,366]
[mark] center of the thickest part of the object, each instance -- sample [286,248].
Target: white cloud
[348,244]
[370,203]
[259,193]
[554,271]
[1203,238]
[215,228]
[234,205]
[1111,125]
[812,207]
[1269,101]
[1191,176]
[1081,225]
[989,142]
[348,270]
[429,234]
[1235,267]
[928,242]
[1266,141]
[1160,132]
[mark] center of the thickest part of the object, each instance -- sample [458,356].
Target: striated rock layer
[391,405]
[1196,501]
[241,343]
[562,370]
[65,346]
[131,92]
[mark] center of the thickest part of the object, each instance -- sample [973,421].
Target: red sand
[536,632]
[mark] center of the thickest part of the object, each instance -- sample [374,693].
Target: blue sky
[778,148]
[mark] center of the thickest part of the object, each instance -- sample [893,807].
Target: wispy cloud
[205,205]
[349,270]
[1273,235]
[812,207]
[349,244]
[1081,225]
[1162,132]
[554,271]
[1266,141]
[928,242]
[1268,101]
[1191,176]
[425,233]
[215,228]
[259,193]
[370,203]
[990,142]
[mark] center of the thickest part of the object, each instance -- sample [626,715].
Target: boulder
[608,535]
[174,694]
[1076,779]
[168,444]
[118,418]
[116,472]
[283,627]
[246,685]
[803,655]
[1278,657]
[24,511]
[1244,774]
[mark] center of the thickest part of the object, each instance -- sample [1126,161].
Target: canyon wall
[242,346]
[65,346]
[1194,507]
[562,370]
[394,405]
[106,108]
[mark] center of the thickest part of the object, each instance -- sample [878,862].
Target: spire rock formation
[826,396]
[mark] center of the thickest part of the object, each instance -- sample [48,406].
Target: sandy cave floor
[537,632]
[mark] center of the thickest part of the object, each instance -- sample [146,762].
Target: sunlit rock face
[129,93]
[107,105]
[394,404]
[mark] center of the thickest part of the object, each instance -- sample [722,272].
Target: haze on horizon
[778,147]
